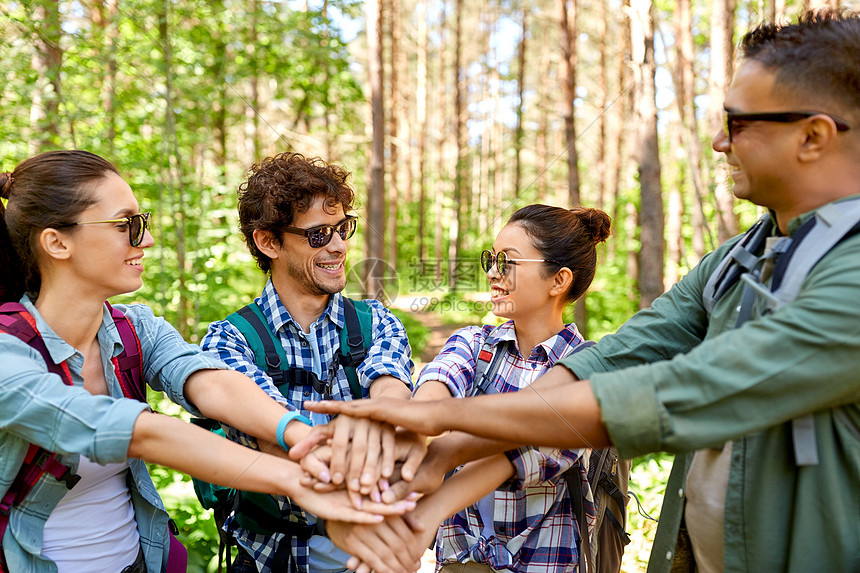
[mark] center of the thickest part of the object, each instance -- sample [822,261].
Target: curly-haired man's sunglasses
[321,235]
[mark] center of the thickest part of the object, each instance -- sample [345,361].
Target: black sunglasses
[732,119]
[137,225]
[321,235]
[502,261]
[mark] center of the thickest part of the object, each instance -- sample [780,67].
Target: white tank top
[93,527]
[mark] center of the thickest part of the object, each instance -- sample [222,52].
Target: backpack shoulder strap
[15,320]
[269,355]
[129,363]
[487,365]
[740,259]
[833,223]
[355,338]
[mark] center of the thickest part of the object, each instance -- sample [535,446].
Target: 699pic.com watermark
[444,305]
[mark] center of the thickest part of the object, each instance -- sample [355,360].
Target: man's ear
[55,244]
[819,135]
[267,243]
[561,281]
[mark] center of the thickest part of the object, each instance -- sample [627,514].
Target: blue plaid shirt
[388,354]
[534,530]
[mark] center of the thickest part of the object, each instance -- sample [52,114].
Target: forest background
[451,114]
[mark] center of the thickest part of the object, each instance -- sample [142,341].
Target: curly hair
[280,187]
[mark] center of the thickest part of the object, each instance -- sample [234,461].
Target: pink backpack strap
[129,364]
[15,320]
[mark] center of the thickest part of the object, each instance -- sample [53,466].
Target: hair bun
[598,223]
[5,184]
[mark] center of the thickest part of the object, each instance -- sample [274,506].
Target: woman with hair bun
[72,236]
[543,259]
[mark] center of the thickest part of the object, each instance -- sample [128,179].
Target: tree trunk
[541,143]
[252,126]
[675,205]
[394,127]
[457,229]
[600,161]
[521,76]
[421,116]
[176,174]
[442,128]
[567,22]
[651,202]
[375,233]
[47,62]
[686,100]
[722,27]
[624,107]
[106,18]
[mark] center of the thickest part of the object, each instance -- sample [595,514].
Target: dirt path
[439,333]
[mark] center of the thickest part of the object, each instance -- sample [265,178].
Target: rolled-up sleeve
[539,465]
[37,407]
[168,360]
[804,354]
[456,363]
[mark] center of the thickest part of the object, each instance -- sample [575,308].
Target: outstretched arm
[555,411]
[374,547]
[192,450]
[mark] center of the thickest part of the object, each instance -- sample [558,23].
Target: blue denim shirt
[37,407]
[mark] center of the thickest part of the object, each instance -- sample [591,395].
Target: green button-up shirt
[674,379]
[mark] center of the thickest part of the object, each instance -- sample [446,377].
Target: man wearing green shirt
[722,397]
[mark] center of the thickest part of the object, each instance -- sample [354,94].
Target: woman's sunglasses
[502,261]
[321,235]
[137,225]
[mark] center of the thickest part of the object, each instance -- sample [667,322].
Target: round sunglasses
[502,261]
[321,235]
[137,225]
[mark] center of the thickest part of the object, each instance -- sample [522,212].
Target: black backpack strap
[573,480]
[574,490]
[739,260]
[487,365]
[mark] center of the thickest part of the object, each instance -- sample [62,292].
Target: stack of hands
[375,463]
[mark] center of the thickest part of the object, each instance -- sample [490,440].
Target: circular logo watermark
[373,278]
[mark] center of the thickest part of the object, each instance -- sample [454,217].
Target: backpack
[600,547]
[792,259]
[258,512]
[17,321]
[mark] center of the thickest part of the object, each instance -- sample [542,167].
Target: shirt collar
[555,347]
[278,315]
[795,223]
[59,349]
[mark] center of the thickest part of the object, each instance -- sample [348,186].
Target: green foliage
[197,529]
[417,332]
[648,478]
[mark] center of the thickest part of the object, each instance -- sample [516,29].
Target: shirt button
[681,492]
[307,394]
[304,342]
[668,556]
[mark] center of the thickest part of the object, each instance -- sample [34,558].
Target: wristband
[282,426]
